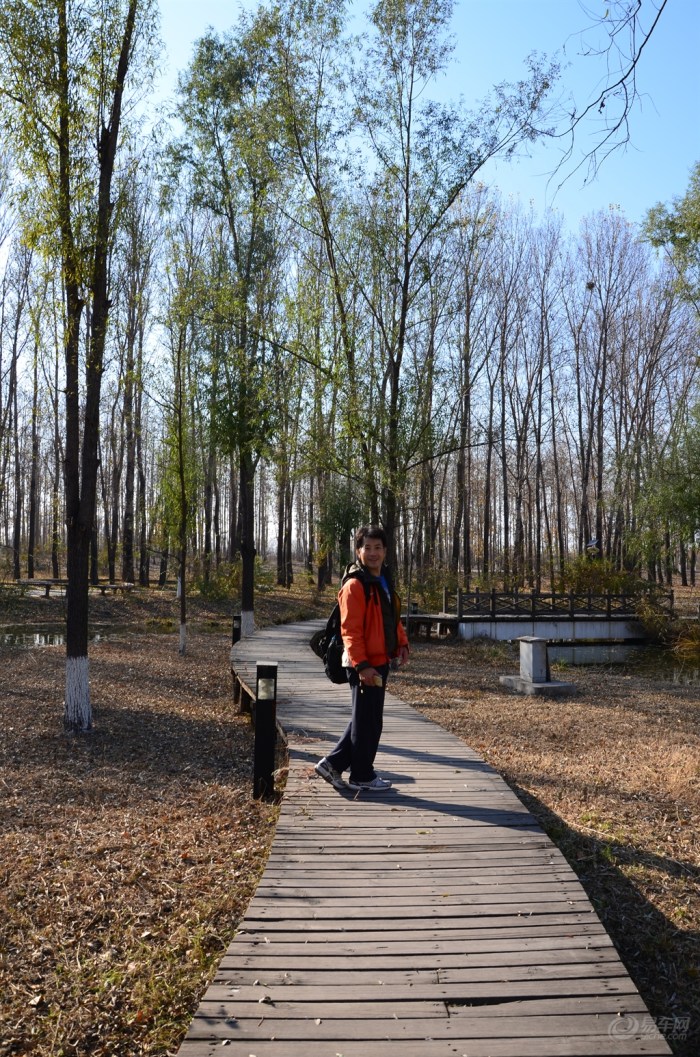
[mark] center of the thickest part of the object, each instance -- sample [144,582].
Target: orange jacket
[362,624]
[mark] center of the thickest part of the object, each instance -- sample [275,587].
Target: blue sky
[492,39]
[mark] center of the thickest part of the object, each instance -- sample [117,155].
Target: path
[434,920]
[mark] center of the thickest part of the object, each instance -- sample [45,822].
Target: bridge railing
[534,604]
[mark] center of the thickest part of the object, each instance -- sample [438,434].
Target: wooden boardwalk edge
[434,920]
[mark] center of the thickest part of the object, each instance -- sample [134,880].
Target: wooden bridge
[434,920]
[541,605]
[562,616]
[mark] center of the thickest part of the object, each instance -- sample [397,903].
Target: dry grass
[128,857]
[613,774]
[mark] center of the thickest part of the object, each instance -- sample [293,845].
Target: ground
[128,856]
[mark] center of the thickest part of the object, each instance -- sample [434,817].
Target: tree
[135,252]
[65,69]
[670,497]
[677,230]
[397,189]
[187,244]
[232,151]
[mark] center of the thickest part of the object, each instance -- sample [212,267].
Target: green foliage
[224,580]
[265,576]
[341,512]
[677,229]
[598,576]
[31,92]
[655,619]
[671,495]
[428,592]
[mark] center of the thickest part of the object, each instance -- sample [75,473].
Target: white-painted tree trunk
[77,715]
[183,639]
[247,623]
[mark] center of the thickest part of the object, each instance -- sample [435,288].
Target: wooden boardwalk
[431,921]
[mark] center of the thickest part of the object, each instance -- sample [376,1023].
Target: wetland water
[651,661]
[31,637]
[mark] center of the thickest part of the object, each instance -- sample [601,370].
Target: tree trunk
[164,558]
[683,558]
[81,459]
[128,572]
[248,552]
[281,529]
[19,490]
[56,483]
[34,475]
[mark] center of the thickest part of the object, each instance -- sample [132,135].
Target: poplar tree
[231,149]
[64,74]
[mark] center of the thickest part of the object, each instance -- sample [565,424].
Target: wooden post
[445,599]
[265,730]
[460,604]
[493,602]
[236,630]
[244,700]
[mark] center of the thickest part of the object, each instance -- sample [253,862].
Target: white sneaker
[328,772]
[377,785]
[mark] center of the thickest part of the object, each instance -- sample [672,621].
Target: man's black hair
[369,532]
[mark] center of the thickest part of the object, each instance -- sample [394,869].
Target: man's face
[372,554]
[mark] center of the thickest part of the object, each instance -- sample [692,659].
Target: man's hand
[370,677]
[402,656]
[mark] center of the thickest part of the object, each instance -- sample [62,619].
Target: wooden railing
[536,604]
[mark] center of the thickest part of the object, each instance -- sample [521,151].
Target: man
[373,636]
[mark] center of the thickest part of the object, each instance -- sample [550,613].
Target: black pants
[358,745]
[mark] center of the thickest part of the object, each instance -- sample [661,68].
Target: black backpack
[328,644]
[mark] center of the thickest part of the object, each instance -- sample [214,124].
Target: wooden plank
[602,1045]
[485,963]
[461,1007]
[534,891]
[431,921]
[575,983]
[454,896]
[474,1023]
[499,962]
